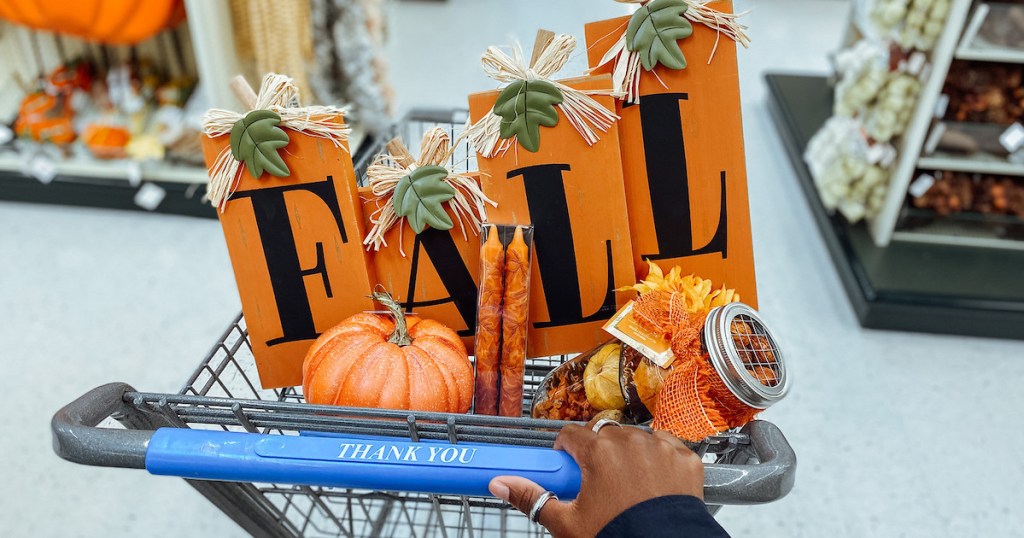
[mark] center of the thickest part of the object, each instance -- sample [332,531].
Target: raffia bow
[694,402]
[279,95]
[388,169]
[585,114]
[626,68]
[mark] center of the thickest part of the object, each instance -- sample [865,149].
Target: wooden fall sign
[572,194]
[683,160]
[295,244]
[434,273]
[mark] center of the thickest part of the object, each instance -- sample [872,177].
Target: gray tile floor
[897,434]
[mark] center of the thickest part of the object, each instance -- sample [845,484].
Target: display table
[906,286]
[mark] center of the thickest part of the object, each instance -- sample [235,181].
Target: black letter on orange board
[286,274]
[668,181]
[445,257]
[556,252]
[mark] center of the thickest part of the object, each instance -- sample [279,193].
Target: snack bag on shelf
[555,164]
[282,180]
[682,136]
[425,249]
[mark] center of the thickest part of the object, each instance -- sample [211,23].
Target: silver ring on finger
[604,422]
[539,504]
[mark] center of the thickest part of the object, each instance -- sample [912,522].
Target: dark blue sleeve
[669,516]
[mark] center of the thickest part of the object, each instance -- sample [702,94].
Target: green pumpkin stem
[401,335]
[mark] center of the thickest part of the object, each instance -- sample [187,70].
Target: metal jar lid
[745,355]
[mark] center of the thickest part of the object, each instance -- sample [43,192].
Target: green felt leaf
[524,106]
[256,139]
[654,30]
[420,198]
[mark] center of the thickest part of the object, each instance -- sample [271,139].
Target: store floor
[897,434]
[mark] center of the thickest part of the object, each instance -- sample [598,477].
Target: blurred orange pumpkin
[45,118]
[389,361]
[117,22]
[106,141]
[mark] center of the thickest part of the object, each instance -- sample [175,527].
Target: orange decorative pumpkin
[45,118]
[389,361]
[117,22]
[106,141]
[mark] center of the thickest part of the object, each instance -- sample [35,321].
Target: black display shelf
[908,286]
[181,199]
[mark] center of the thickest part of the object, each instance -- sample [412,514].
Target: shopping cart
[270,461]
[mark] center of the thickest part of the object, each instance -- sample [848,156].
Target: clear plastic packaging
[503,307]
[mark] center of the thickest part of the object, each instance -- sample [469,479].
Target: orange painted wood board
[295,245]
[573,195]
[438,275]
[683,160]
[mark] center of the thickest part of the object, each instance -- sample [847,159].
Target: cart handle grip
[76,437]
[319,461]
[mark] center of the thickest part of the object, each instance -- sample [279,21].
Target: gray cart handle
[766,476]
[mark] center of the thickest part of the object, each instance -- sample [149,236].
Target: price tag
[149,196]
[916,63]
[889,157]
[1016,157]
[41,168]
[926,71]
[921,185]
[651,345]
[934,137]
[941,106]
[134,173]
[1012,138]
[875,153]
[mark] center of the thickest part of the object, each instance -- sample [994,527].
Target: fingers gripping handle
[359,463]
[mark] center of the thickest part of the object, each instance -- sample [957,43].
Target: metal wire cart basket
[115,426]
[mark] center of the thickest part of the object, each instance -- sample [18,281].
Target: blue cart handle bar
[362,462]
[355,462]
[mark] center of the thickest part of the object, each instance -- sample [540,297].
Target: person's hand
[621,467]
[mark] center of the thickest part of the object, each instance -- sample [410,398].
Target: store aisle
[891,430]
[88,297]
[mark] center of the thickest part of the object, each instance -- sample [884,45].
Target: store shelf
[910,285]
[913,139]
[991,54]
[979,163]
[112,170]
[976,45]
[965,228]
[944,238]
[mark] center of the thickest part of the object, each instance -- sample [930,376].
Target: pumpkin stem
[401,334]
